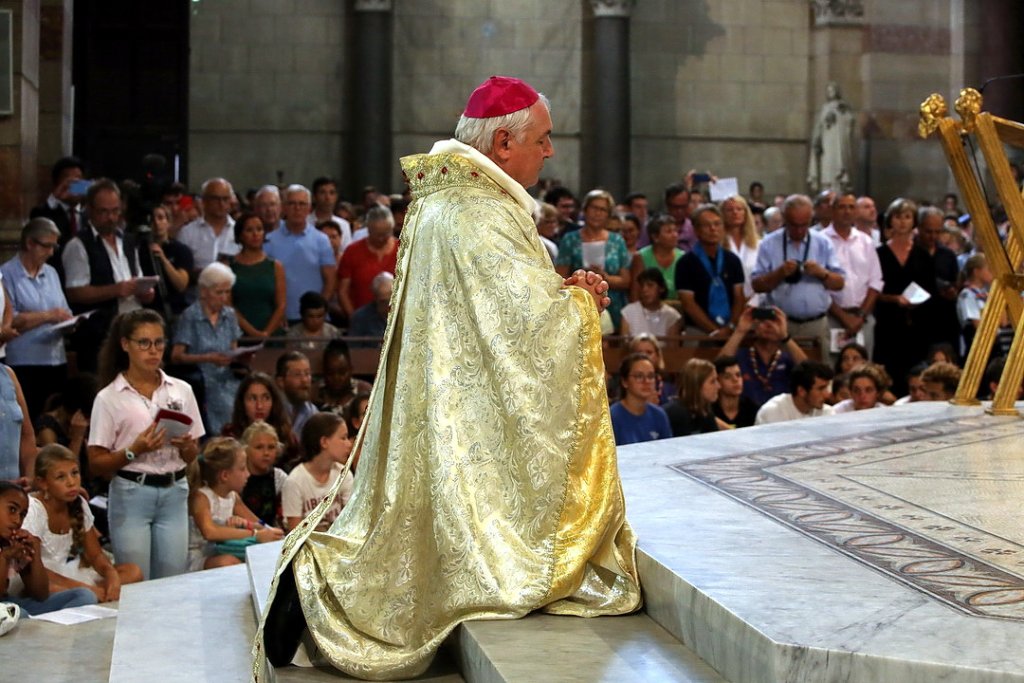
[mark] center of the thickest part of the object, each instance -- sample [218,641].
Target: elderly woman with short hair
[594,247]
[36,299]
[207,331]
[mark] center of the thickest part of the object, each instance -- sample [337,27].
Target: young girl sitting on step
[326,447]
[22,575]
[218,515]
[60,517]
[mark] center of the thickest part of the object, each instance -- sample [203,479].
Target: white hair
[269,189]
[379,213]
[382,278]
[295,189]
[479,133]
[216,274]
[210,181]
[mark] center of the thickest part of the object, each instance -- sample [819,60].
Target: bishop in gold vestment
[487,484]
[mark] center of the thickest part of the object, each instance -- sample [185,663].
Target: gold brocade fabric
[487,485]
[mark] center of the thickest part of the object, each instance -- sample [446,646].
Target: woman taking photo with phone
[148,498]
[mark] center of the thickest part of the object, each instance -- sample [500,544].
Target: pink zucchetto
[499,95]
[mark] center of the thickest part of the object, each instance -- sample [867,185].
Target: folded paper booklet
[175,424]
[144,284]
[243,350]
[916,294]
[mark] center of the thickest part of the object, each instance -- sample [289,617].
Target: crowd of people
[160,299]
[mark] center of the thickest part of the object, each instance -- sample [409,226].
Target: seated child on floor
[23,578]
[262,493]
[217,512]
[60,517]
[326,447]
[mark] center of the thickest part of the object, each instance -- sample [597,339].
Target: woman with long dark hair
[148,498]
[259,398]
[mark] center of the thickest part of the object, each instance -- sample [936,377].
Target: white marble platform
[189,628]
[879,546]
[537,648]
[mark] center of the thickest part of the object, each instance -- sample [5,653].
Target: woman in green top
[258,296]
[662,253]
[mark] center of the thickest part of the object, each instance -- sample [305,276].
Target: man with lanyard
[797,268]
[710,278]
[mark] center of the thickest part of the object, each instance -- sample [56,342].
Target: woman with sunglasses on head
[148,498]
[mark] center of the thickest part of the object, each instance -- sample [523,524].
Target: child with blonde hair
[218,515]
[262,493]
[60,517]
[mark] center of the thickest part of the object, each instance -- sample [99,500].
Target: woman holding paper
[148,498]
[206,335]
[909,274]
[34,294]
[595,248]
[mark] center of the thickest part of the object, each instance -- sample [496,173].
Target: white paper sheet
[593,254]
[72,320]
[916,294]
[723,188]
[78,615]
[242,350]
[144,284]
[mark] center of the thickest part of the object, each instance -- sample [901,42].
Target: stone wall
[267,90]
[730,85]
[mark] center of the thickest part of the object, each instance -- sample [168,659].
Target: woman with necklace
[148,498]
[662,253]
[595,248]
[897,345]
[259,293]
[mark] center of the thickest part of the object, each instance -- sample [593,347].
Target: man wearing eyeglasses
[100,268]
[211,237]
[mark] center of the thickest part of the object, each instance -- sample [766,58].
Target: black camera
[763,313]
[795,276]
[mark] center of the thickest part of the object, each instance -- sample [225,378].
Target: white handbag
[9,614]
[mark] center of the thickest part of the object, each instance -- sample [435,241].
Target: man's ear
[501,143]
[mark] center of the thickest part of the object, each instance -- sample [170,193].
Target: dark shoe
[285,622]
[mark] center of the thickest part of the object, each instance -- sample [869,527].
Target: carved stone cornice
[373,5]
[838,12]
[612,8]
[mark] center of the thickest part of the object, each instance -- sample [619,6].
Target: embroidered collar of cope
[490,169]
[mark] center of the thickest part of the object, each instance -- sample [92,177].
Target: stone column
[371,161]
[55,107]
[610,96]
[19,132]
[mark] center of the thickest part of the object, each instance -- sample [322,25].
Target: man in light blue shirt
[304,251]
[796,268]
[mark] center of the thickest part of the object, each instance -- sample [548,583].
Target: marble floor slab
[39,650]
[875,546]
[188,628]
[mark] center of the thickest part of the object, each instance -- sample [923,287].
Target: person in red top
[364,259]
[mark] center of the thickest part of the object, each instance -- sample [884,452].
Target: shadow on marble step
[188,628]
[537,648]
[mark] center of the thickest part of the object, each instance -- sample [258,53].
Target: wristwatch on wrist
[129,455]
[786,339]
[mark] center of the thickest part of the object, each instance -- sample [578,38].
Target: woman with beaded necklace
[767,361]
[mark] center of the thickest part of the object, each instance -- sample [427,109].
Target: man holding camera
[771,356]
[796,268]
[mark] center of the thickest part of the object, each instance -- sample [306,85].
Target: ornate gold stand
[991,133]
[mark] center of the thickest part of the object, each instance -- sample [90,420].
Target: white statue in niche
[831,163]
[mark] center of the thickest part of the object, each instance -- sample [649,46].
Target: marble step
[537,648]
[188,628]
